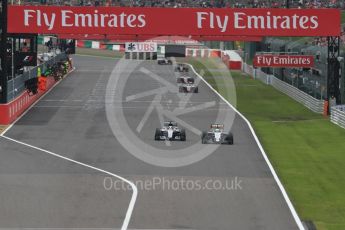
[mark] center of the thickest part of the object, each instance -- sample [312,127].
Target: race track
[78,119]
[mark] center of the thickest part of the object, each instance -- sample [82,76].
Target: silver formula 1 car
[164,61]
[188,88]
[181,68]
[171,132]
[216,135]
[185,80]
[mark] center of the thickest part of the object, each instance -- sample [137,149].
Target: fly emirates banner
[173,21]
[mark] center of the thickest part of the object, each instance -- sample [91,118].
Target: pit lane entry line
[275,176]
[134,188]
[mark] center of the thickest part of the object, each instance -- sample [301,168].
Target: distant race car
[188,88]
[164,61]
[170,131]
[185,80]
[181,68]
[216,135]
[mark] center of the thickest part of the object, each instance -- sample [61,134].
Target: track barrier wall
[12,110]
[99,45]
[215,53]
[338,115]
[308,101]
[203,53]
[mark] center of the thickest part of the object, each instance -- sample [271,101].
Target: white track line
[275,176]
[134,188]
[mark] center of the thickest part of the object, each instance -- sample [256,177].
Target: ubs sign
[141,47]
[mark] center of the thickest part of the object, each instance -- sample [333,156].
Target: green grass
[2,128]
[100,53]
[307,151]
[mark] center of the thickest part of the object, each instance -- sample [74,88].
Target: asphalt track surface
[38,190]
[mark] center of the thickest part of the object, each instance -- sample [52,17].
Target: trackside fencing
[17,87]
[308,101]
[10,111]
[248,69]
[338,115]
[262,76]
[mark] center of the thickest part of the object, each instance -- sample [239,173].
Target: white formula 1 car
[185,80]
[216,135]
[188,88]
[181,68]
[164,61]
[170,132]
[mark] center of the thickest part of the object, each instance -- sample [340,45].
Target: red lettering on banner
[269,60]
[173,21]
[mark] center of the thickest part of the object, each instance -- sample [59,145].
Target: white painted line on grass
[275,176]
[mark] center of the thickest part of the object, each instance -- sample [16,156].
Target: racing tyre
[230,139]
[196,90]
[203,137]
[157,134]
[183,135]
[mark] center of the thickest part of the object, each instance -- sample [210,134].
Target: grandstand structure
[313,81]
[195,3]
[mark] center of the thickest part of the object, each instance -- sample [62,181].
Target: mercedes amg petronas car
[171,132]
[216,135]
[185,80]
[164,61]
[188,88]
[181,68]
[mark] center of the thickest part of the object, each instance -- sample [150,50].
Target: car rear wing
[217,126]
[166,123]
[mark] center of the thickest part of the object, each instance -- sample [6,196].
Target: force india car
[164,61]
[216,135]
[188,88]
[181,68]
[170,132]
[185,80]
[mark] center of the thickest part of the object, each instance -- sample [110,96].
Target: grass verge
[2,128]
[306,150]
[100,53]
